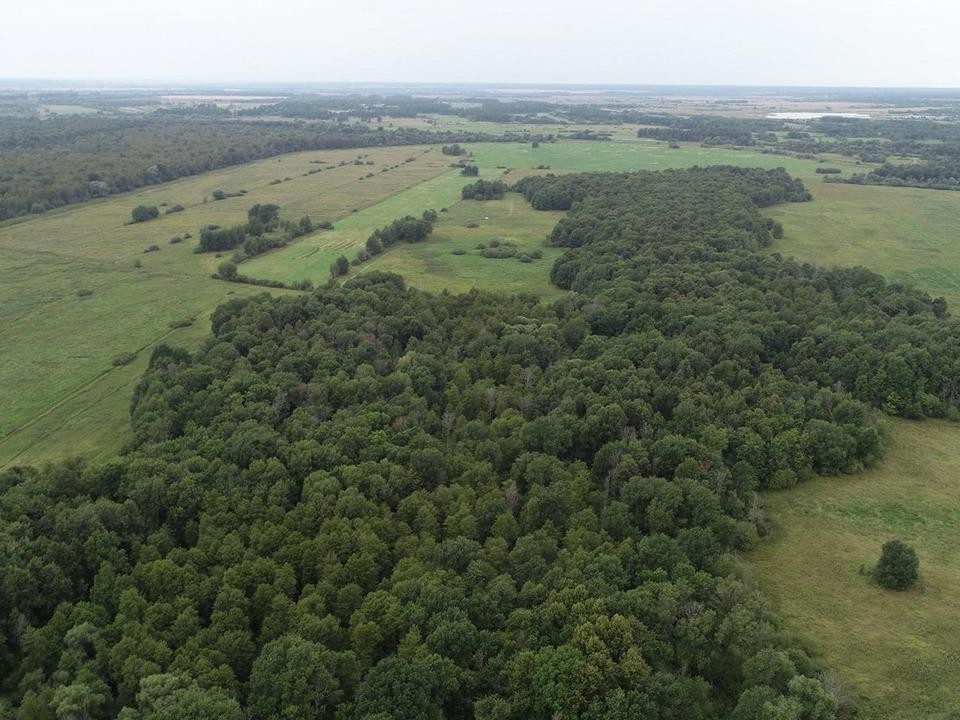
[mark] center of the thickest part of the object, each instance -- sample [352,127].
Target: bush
[174,209]
[341,266]
[176,239]
[181,323]
[142,213]
[84,293]
[123,359]
[898,566]
[458,251]
[152,248]
[227,270]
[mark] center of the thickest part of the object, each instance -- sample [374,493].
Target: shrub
[152,248]
[181,323]
[341,266]
[898,566]
[176,239]
[458,251]
[472,225]
[174,209]
[227,270]
[123,359]
[84,293]
[142,213]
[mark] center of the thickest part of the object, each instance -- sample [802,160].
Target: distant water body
[815,115]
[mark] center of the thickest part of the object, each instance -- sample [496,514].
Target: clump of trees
[407,229]
[898,566]
[263,231]
[470,171]
[484,190]
[143,213]
[455,150]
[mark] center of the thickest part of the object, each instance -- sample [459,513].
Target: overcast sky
[755,42]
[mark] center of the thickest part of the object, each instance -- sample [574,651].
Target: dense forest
[57,161]
[371,502]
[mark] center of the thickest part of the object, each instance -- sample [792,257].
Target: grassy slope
[58,389]
[900,650]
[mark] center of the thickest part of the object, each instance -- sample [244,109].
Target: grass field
[900,651]
[907,234]
[71,299]
[433,265]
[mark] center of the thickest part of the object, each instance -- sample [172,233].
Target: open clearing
[901,651]
[907,234]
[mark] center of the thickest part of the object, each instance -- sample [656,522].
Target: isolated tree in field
[341,266]
[897,569]
[142,213]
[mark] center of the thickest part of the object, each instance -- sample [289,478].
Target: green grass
[71,299]
[906,234]
[432,265]
[900,651]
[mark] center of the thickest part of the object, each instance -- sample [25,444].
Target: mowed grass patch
[436,264]
[901,651]
[312,256]
[907,234]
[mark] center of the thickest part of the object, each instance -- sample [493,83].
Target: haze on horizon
[882,43]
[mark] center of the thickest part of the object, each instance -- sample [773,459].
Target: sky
[879,43]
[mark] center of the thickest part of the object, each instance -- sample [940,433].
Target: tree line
[57,161]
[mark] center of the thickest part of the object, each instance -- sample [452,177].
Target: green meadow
[900,652]
[907,234]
